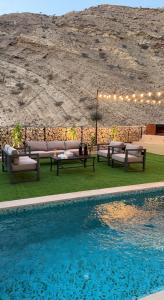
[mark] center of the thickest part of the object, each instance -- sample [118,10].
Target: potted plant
[16,135]
[72,133]
[114,133]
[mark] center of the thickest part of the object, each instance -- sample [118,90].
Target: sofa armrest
[25,149]
[142,152]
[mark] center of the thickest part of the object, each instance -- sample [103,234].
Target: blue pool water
[108,248]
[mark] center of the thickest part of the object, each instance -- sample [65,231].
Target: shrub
[16,135]
[96,116]
[50,76]
[72,134]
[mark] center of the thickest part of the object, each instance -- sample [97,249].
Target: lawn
[73,180]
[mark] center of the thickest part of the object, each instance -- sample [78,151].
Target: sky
[60,7]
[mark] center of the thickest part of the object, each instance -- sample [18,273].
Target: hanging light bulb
[159,94]
[115,97]
[100,95]
[148,101]
[134,95]
[142,95]
[149,94]
[141,101]
[159,102]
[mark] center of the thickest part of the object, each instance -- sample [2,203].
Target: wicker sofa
[47,148]
[19,161]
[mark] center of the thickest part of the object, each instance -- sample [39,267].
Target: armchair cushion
[119,146]
[55,145]
[103,153]
[72,145]
[131,158]
[25,163]
[133,147]
[37,145]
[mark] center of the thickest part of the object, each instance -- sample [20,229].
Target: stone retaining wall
[122,133]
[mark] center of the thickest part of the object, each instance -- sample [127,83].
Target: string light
[137,98]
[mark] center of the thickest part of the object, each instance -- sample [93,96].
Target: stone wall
[121,133]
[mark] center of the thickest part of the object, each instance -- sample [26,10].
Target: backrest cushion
[6,147]
[13,152]
[72,144]
[135,147]
[55,145]
[37,145]
[120,146]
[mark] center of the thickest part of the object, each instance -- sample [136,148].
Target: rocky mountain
[51,67]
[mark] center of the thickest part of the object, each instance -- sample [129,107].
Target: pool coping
[78,195]
[156,296]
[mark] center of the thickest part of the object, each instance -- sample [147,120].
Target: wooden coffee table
[72,162]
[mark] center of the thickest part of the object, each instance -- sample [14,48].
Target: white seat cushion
[25,163]
[103,153]
[131,158]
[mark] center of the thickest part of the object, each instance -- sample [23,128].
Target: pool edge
[78,195]
[156,296]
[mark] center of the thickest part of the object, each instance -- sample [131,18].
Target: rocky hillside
[51,67]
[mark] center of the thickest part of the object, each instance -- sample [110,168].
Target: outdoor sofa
[122,153]
[46,149]
[19,161]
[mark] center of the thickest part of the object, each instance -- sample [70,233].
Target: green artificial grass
[80,179]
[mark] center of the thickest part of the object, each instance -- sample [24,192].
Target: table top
[78,157]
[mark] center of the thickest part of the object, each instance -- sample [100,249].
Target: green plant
[16,135]
[71,133]
[114,133]
[96,116]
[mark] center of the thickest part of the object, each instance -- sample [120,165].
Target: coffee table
[80,161]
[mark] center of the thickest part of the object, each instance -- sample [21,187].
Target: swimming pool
[102,248]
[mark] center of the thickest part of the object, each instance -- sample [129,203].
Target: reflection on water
[138,224]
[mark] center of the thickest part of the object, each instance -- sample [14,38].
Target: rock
[63,60]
